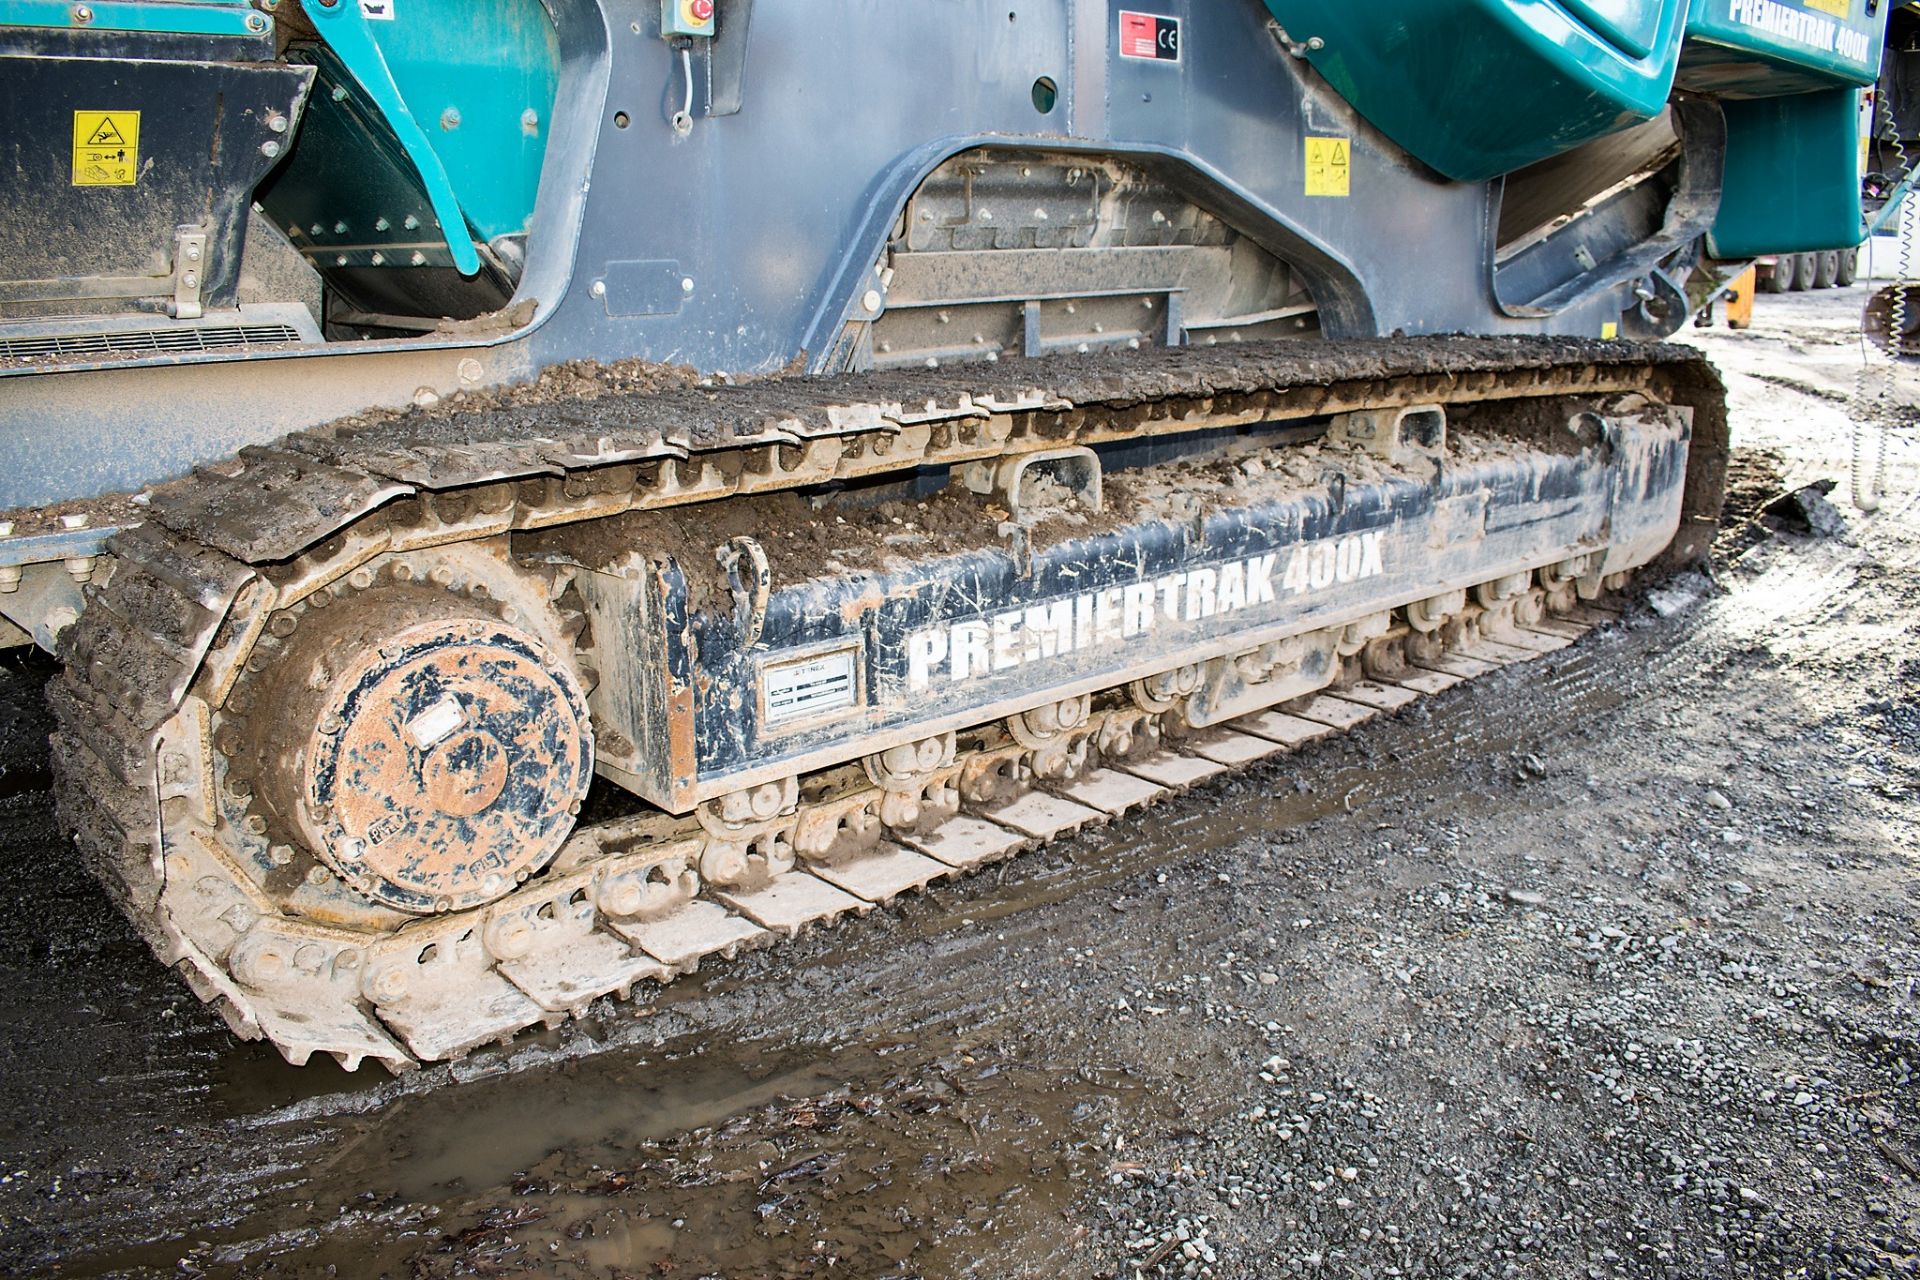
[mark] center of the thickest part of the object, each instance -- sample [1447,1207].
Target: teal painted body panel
[467,86]
[1778,41]
[1789,74]
[1633,26]
[1477,88]
[180,17]
[1792,180]
[495,65]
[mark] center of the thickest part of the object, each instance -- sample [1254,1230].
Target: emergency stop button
[686,17]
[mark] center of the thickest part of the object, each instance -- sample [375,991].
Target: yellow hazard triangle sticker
[1329,167]
[106,148]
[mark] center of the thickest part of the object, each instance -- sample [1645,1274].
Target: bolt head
[388,985]
[511,939]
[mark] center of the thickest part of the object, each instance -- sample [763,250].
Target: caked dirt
[1604,965]
[897,526]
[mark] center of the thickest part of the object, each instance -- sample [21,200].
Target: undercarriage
[399,737]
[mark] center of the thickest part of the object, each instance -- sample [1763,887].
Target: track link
[181,614]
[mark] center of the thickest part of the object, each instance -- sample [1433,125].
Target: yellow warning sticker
[1838,8]
[106,148]
[1610,330]
[1329,166]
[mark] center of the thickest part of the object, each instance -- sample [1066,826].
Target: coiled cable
[1868,476]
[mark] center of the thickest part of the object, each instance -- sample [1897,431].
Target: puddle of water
[483,1135]
[897,1156]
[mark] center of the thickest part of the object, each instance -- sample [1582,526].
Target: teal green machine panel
[1478,88]
[480,77]
[1764,48]
[184,17]
[1793,175]
[1789,74]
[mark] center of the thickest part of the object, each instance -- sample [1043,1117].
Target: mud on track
[1601,965]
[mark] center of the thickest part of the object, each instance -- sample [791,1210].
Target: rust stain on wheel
[445,765]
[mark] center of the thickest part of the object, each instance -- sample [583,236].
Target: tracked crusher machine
[530,494]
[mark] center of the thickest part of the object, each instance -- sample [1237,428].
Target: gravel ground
[1602,966]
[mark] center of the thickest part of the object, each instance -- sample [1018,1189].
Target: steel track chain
[177,618]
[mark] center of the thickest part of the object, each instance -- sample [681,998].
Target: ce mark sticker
[1149,37]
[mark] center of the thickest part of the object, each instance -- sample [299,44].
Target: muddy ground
[1601,966]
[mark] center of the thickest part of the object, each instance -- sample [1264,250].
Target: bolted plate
[1459,665]
[587,967]
[1111,791]
[699,929]
[965,842]
[446,1020]
[1231,749]
[322,1024]
[1278,726]
[1537,639]
[1428,681]
[792,902]
[1560,627]
[1499,652]
[887,872]
[1335,712]
[1172,770]
[1043,816]
[447,764]
[1381,697]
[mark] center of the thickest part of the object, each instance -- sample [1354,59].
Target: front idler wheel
[430,754]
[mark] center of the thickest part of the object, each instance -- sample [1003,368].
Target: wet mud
[1601,965]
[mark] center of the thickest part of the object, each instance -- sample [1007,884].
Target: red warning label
[1149,36]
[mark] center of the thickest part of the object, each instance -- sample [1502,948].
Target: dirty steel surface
[177,650]
[1602,964]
